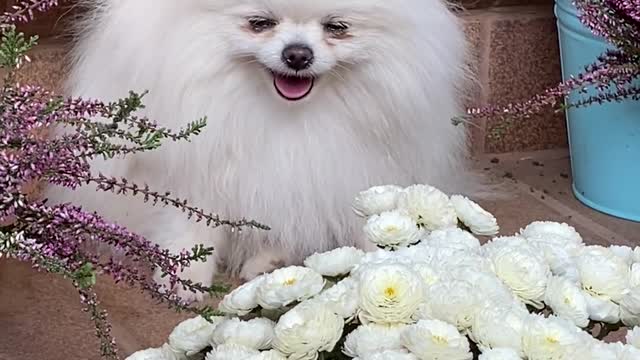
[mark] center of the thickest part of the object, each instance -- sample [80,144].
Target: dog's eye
[337,29]
[260,24]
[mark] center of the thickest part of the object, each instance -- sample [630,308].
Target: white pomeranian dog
[308,102]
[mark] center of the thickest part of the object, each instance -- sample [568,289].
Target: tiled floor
[40,317]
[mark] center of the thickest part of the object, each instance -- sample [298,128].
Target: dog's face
[297,43]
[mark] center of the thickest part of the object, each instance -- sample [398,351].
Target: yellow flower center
[567,300]
[290,282]
[390,292]
[440,340]
[552,340]
[391,228]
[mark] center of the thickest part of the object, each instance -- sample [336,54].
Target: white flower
[499,354]
[623,252]
[602,309]
[287,285]
[389,294]
[335,262]
[428,206]
[427,273]
[435,340]
[376,200]
[500,326]
[633,336]
[477,219]
[193,335]
[636,254]
[567,300]
[540,229]
[561,258]
[454,238]
[243,299]
[524,272]
[485,282]
[455,302]
[341,298]
[628,352]
[550,338]
[372,338]
[255,333]
[306,330]
[389,355]
[500,242]
[602,273]
[597,350]
[231,352]
[634,276]
[392,229]
[163,353]
[630,307]
[268,355]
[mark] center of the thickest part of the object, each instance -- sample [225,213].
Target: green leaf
[85,276]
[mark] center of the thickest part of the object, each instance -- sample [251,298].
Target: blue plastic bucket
[604,140]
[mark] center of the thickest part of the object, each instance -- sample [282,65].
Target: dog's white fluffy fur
[379,114]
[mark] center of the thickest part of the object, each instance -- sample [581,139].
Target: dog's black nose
[297,57]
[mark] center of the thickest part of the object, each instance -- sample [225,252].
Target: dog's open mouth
[293,88]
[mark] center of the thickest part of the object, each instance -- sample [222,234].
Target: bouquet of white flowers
[432,292]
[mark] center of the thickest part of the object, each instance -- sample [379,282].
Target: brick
[523,60]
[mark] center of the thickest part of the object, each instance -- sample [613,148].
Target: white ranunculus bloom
[602,273]
[550,338]
[376,200]
[540,229]
[524,272]
[477,219]
[231,352]
[256,333]
[630,307]
[389,294]
[372,338]
[268,355]
[499,354]
[287,285]
[455,302]
[633,336]
[392,229]
[243,299]
[305,330]
[634,275]
[628,352]
[601,309]
[500,326]
[389,355]
[335,262]
[435,340]
[341,298]
[567,300]
[450,262]
[485,282]
[623,252]
[162,353]
[193,335]
[428,206]
[597,350]
[636,254]
[427,273]
[500,242]
[561,258]
[455,238]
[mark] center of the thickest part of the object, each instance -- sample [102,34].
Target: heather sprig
[54,238]
[613,77]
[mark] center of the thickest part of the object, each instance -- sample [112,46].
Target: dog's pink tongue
[292,87]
